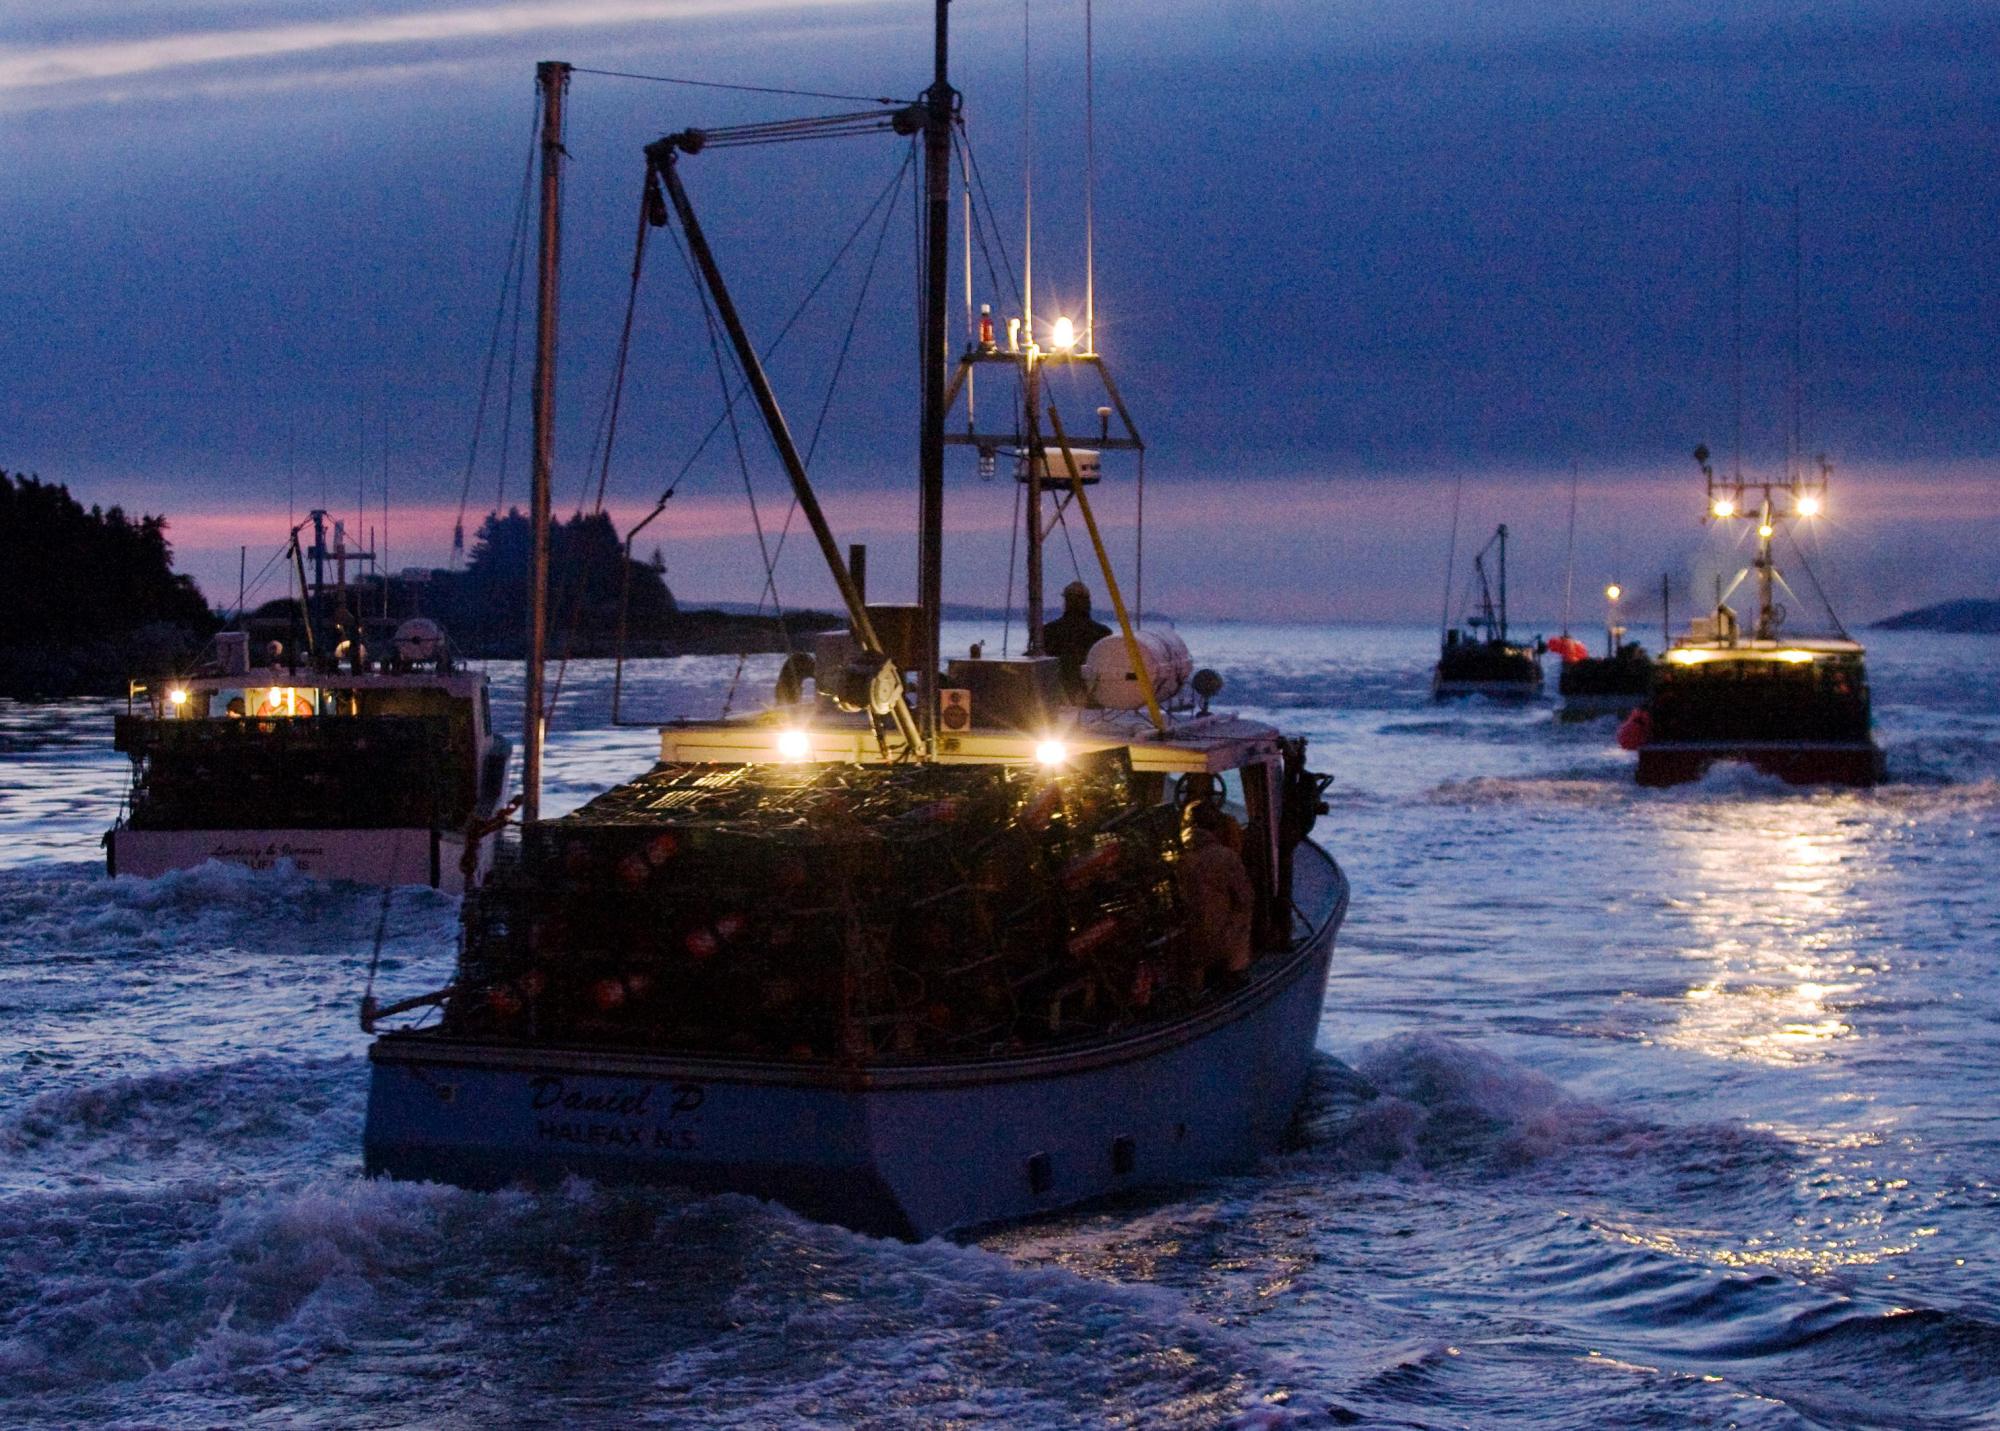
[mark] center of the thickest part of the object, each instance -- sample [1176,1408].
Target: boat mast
[552,78]
[939,104]
[1503,583]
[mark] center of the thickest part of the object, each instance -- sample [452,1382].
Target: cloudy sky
[1352,257]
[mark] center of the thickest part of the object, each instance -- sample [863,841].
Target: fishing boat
[1794,706]
[1615,683]
[927,948]
[1478,658]
[355,749]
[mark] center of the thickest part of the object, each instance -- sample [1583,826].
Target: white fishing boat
[920,949]
[360,751]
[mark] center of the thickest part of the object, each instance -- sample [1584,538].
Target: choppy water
[1638,1108]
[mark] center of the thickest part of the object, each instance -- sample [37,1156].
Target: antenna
[1795,450]
[1569,548]
[1027,179]
[1089,188]
[1738,332]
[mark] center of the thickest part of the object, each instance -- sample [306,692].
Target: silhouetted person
[1070,636]
[1215,891]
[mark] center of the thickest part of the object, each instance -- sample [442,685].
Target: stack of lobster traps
[844,913]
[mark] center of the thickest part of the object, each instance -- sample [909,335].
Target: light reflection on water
[1683,1114]
[1771,931]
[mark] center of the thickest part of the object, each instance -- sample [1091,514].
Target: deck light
[178,696]
[1063,335]
[1724,507]
[1764,529]
[1808,506]
[1613,591]
[794,744]
[1051,752]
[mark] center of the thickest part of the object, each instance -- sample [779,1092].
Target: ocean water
[1633,1108]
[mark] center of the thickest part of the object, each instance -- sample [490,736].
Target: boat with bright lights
[921,947]
[1479,659]
[1797,707]
[353,748]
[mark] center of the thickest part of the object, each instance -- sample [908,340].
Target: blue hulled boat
[920,947]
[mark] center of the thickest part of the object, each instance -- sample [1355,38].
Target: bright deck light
[1809,506]
[1063,335]
[1051,752]
[1724,507]
[1613,591]
[178,697]
[794,744]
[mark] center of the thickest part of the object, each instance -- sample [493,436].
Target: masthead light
[1063,336]
[1808,506]
[1613,591]
[1764,529]
[1724,507]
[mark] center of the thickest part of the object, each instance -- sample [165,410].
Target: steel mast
[940,105]
[552,78]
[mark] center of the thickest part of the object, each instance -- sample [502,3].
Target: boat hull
[896,1151]
[1796,762]
[381,857]
[1599,704]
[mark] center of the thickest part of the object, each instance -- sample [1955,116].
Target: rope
[375,959]
[739,88]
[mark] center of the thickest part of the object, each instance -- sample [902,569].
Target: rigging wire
[509,282]
[969,162]
[738,88]
[736,437]
[1013,541]
[1818,590]
[722,418]
[1451,554]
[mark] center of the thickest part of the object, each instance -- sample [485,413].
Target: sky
[1357,265]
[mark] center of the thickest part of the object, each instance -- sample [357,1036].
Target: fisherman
[1215,890]
[1070,636]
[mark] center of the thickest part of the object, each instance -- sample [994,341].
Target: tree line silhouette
[89,597]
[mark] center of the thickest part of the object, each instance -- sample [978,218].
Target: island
[1969,615]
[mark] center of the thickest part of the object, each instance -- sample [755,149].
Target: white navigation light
[1613,591]
[178,696]
[1051,752]
[1063,335]
[794,744]
[1764,529]
[1809,505]
[1724,507]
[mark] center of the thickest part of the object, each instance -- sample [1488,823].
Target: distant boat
[1797,707]
[912,961]
[1615,683]
[361,750]
[1479,659]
